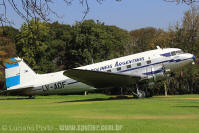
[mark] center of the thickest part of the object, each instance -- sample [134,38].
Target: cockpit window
[166,54]
[173,53]
[179,52]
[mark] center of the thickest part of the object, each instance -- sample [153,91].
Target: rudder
[18,73]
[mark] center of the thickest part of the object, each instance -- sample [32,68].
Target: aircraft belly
[61,87]
[73,88]
[177,65]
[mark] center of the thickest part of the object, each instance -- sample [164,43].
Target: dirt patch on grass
[191,98]
[58,105]
[140,117]
[71,103]
[163,96]
[173,97]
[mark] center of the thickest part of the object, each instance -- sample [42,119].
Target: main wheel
[141,94]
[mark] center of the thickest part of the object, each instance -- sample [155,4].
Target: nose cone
[188,58]
[194,58]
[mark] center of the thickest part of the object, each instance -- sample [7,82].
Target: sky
[127,14]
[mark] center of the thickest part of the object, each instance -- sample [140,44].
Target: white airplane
[121,72]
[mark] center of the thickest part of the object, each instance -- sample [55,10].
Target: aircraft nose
[190,57]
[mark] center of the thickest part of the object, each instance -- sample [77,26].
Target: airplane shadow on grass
[9,98]
[99,99]
[27,98]
[186,106]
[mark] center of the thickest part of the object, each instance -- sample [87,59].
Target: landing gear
[142,93]
[31,97]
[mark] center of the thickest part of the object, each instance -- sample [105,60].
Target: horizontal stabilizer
[99,79]
[21,91]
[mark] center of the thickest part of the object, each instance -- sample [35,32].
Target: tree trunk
[165,88]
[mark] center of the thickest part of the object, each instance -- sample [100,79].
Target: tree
[94,42]
[60,39]
[190,27]
[190,39]
[188,2]
[7,46]
[49,47]
[144,39]
[184,36]
[27,9]
[31,43]
[7,50]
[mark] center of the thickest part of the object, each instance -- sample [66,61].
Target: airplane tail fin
[18,73]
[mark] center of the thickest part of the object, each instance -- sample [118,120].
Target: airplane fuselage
[147,65]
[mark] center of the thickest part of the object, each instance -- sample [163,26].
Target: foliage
[183,36]
[188,2]
[67,47]
[27,9]
[32,44]
[94,42]
[144,39]
[7,48]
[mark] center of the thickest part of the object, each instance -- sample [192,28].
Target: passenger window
[139,64]
[109,70]
[119,68]
[128,66]
[173,53]
[148,62]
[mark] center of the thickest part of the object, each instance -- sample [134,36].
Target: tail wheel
[31,97]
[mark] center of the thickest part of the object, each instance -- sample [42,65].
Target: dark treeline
[49,47]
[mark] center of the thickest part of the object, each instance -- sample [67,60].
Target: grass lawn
[99,113]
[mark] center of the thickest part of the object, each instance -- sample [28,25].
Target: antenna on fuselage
[158,47]
[92,61]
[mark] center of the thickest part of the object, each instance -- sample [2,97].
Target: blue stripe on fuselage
[154,72]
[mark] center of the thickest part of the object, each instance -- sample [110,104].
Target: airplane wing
[100,79]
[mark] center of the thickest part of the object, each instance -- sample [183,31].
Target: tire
[31,97]
[141,94]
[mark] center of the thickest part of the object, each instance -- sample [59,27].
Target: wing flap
[99,79]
